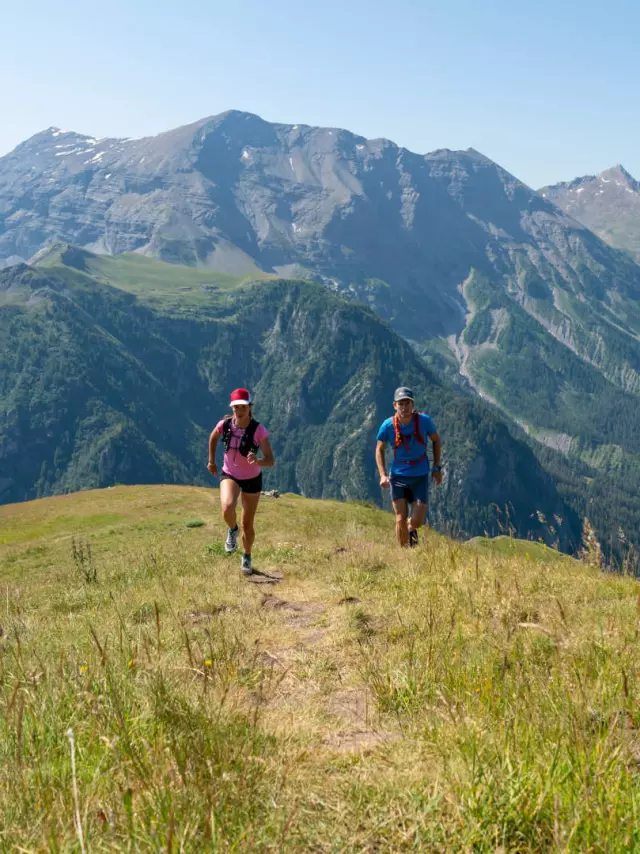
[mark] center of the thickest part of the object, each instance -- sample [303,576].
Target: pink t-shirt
[234,463]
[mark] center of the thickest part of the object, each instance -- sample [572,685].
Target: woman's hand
[252,458]
[212,467]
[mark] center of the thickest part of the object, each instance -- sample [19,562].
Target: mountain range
[496,287]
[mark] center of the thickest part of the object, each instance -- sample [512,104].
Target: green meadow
[171,288]
[458,697]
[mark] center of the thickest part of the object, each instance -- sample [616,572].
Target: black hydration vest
[247,443]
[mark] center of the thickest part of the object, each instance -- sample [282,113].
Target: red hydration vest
[404,440]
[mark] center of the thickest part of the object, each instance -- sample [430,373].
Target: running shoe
[231,543]
[413,539]
[246,564]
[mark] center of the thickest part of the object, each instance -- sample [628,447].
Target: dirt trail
[345,718]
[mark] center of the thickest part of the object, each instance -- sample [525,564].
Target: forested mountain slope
[101,385]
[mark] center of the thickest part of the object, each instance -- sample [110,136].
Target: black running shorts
[250,486]
[412,489]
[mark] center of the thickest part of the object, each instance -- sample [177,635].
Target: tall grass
[497,689]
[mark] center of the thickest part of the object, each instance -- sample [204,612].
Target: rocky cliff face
[235,193]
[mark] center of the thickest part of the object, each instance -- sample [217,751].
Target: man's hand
[212,467]
[384,481]
[437,477]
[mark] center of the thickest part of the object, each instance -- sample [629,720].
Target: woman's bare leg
[249,507]
[229,494]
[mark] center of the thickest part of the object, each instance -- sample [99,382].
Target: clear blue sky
[547,88]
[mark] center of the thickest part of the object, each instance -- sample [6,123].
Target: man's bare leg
[418,515]
[401,511]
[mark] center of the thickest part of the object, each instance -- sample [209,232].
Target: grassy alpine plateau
[474,697]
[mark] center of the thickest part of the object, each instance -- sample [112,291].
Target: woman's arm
[213,444]
[267,459]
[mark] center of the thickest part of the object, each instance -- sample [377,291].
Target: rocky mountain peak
[620,177]
[608,204]
[616,175]
[52,138]
[236,194]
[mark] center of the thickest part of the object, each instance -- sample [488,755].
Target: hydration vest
[247,442]
[401,440]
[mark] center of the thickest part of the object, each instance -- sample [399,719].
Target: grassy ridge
[169,287]
[476,697]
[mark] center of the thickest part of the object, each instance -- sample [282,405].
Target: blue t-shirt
[410,450]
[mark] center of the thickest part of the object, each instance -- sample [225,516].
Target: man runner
[409,474]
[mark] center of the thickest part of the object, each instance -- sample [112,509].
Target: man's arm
[384,480]
[436,474]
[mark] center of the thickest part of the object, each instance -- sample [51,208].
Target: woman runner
[242,436]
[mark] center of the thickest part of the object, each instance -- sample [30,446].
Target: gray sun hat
[402,393]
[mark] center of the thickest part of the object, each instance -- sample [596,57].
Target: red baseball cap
[240,397]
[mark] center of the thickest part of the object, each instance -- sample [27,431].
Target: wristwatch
[437,468]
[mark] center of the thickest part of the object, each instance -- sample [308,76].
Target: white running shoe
[231,543]
[246,565]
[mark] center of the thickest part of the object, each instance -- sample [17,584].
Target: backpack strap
[248,442]
[226,432]
[417,432]
[400,440]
